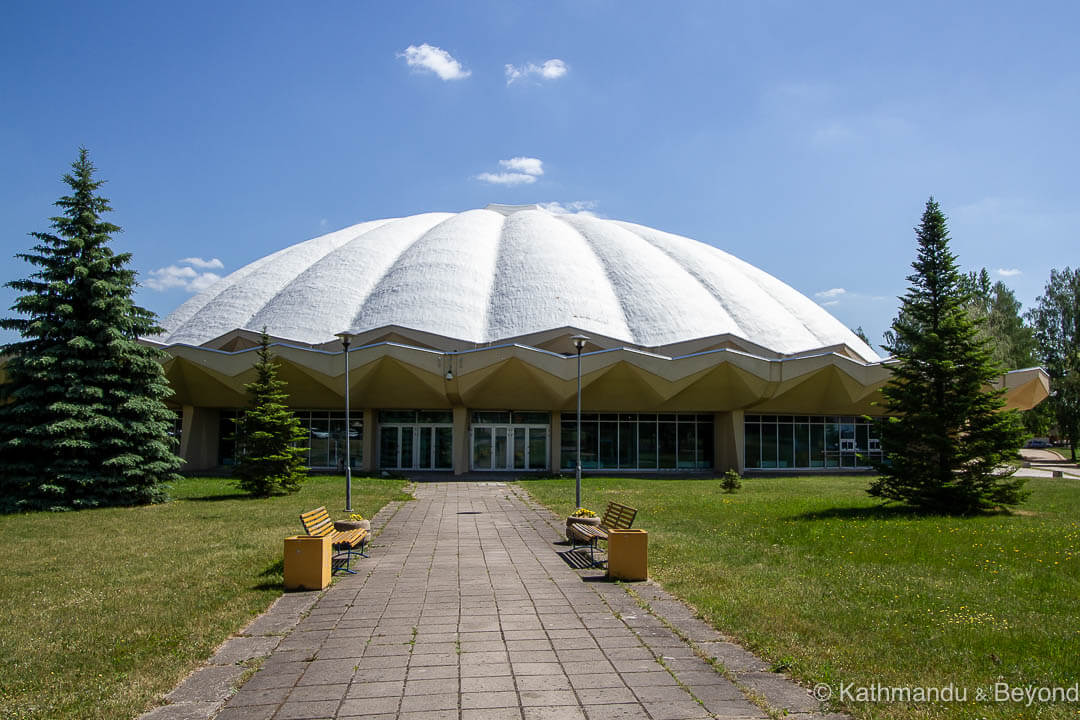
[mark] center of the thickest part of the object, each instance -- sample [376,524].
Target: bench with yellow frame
[346,543]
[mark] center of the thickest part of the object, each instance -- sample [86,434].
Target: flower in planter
[357,517]
[583,513]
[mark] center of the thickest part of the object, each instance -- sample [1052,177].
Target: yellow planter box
[307,562]
[628,554]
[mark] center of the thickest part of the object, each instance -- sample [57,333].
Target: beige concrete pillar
[555,442]
[461,440]
[199,437]
[370,434]
[728,441]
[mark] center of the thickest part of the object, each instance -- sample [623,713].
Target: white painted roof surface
[504,271]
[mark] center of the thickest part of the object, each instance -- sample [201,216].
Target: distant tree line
[1047,335]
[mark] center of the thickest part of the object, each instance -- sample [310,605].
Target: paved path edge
[202,693]
[775,693]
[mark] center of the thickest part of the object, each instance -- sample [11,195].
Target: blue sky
[803,137]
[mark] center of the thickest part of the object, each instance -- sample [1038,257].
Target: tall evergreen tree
[86,424]
[270,442]
[1056,317]
[947,438]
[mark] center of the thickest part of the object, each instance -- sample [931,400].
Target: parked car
[1037,443]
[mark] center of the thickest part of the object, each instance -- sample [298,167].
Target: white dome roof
[506,271]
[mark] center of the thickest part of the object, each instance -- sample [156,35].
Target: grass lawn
[813,576]
[104,611]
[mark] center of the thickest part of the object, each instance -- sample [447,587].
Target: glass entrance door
[416,447]
[505,447]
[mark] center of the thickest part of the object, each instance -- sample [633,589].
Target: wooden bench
[345,543]
[616,517]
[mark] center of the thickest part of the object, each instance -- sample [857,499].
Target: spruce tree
[86,423]
[947,439]
[270,442]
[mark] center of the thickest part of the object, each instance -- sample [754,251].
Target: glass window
[567,445]
[667,444]
[802,444]
[817,445]
[647,444]
[319,442]
[687,445]
[426,450]
[482,447]
[500,449]
[388,447]
[538,452]
[753,445]
[531,418]
[337,443]
[444,448]
[435,416]
[519,448]
[785,433]
[489,417]
[590,439]
[408,436]
[705,437]
[397,416]
[768,445]
[609,444]
[832,444]
[628,440]
[356,440]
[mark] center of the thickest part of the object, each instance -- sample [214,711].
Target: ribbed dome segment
[505,271]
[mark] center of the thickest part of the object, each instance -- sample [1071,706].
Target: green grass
[104,611]
[813,572]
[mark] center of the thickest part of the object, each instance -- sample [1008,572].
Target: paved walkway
[465,610]
[1044,464]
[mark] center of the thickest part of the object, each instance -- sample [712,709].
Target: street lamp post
[344,337]
[579,345]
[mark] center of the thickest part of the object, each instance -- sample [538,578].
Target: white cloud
[183,275]
[1009,272]
[550,70]
[522,171]
[434,59]
[830,303]
[211,264]
[830,293]
[506,178]
[575,207]
[527,165]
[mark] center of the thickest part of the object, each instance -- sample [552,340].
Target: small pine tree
[269,439]
[947,439]
[86,424]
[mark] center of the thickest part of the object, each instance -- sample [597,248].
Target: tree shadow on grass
[272,577]
[223,496]
[875,512]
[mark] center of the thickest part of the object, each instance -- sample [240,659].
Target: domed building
[461,356]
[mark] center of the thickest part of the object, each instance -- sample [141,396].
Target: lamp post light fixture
[579,345]
[344,337]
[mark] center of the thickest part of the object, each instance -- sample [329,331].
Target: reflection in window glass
[481,447]
[806,442]
[647,444]
[668,444]
[687,450]
[609,443]
[444,447]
